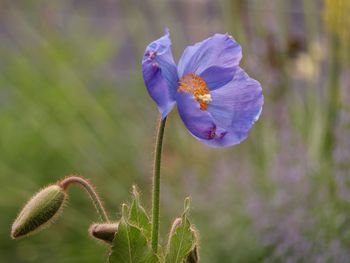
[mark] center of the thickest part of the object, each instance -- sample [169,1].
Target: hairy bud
[193,257]
[104,231]
[41,209]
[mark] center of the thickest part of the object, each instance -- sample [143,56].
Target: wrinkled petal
[217,54]
[216,77]
[198,122]
[235,107]
[160,73]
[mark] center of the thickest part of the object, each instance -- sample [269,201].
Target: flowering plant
[217,102]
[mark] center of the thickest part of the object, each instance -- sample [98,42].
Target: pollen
[195,85]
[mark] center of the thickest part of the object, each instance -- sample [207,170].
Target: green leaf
[182,240]
[138,215]
[130,244]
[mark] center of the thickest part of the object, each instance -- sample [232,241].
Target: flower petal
[217,54]
[160,73]
[235,107]
[216,77]
[198,122]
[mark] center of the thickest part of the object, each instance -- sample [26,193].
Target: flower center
[195,85]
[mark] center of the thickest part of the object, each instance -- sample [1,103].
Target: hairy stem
[90,190]
[156,185]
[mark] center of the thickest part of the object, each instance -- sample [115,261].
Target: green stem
[90,190]
[156,185]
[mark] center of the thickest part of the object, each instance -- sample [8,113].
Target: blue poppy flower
[217,101]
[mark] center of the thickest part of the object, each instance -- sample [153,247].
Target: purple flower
[217,101]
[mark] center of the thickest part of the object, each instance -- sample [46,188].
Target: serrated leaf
[138,215]
[181,242]
[182,239]
[130,246]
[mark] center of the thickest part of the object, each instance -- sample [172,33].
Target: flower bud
[104,231]
[193,257]
[41,209]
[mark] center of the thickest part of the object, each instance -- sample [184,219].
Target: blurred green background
[72,101]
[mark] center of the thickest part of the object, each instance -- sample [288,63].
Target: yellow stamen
[205,98]
[195,85]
